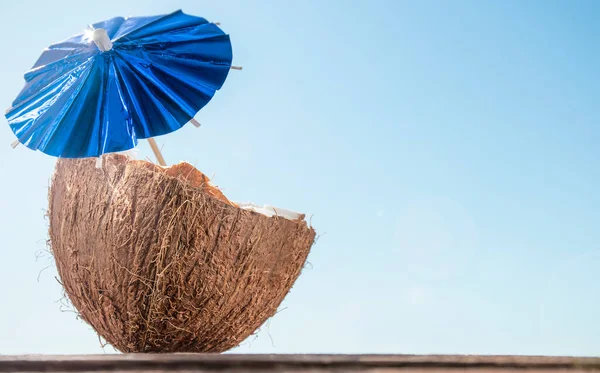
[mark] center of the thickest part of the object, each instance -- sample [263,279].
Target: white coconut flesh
[270,211]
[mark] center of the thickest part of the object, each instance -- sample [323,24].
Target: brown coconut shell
[156,261]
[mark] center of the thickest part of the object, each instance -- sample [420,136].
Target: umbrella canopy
[121,80]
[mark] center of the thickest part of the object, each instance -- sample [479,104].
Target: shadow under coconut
[157,260]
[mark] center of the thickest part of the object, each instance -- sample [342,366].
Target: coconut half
[158,260]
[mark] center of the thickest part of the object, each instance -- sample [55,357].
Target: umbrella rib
[199,38]
[174,76]
[187,58]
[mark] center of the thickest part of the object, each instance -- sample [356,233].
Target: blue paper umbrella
[121,80]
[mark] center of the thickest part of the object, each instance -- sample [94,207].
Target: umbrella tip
[101,39]
[195,122]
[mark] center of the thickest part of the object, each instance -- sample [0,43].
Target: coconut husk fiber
[158,260]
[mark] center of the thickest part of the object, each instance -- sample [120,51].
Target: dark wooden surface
[295,363]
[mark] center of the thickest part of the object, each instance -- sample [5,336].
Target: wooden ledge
[235,363]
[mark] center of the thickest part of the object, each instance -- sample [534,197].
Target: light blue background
[447,150]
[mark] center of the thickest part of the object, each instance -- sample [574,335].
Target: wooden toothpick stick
[157,153]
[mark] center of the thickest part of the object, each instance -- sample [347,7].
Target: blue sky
[446,150]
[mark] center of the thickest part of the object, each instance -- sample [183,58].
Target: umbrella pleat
[52,59]
[118,133]
[165,90]
[175,90]
[150,117]
[141,27]
[44,78]
[199,32]
[41,115]
[78,129]
[132,24]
